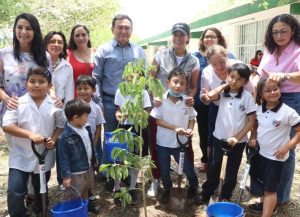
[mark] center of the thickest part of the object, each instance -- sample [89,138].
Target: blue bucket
[110,144]
[224,209]
[71,208]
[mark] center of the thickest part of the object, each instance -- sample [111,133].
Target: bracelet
[286,77]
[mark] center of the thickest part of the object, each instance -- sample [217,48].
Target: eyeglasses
[54,41]
[210,36]
[126,28]
[270,90]
[280,32]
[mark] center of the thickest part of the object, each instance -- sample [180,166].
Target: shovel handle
[41,156]
[223,167]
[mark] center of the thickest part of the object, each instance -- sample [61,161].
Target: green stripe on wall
[231,14]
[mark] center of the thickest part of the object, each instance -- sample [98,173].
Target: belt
[108,95]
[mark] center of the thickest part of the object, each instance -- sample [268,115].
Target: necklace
[56,64]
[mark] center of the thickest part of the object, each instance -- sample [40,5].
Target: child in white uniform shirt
[120,101]
[174,117]
[235,118]
[36,118]
[275,120]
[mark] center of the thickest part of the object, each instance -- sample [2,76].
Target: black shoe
[93,206]
[109,185]
[201,199]
[165,197]
[258,208]
[191,192]
[117,201]
[134,198]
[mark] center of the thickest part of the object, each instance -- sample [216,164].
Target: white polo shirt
[177,114]
[232,114]
[42,120]
[120,101]
[95,117]
[274,127]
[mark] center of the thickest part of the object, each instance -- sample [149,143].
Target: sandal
[203,167]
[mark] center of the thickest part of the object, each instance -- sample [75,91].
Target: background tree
[61,15]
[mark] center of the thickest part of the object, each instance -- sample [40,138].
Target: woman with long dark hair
[280,62]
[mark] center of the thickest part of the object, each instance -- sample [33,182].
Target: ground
[154,208]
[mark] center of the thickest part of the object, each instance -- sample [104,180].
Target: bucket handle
[74,188]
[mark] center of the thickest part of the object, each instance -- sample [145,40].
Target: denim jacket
[72,153]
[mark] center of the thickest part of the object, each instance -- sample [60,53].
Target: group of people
[57,95]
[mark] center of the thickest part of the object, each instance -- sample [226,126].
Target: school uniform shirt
[232,114]
[120,101]
[84,135]
[177,114]
[43,120]
[274,128]
[95,117]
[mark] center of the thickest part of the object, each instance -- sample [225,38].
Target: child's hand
[36,138]
[189,132]
[67,182]
[50,143]
[180,131]
[281,152]
[189,101]
[232,141]
[119,116]
[96,166]
[157,102]
[205,97]
[252,143]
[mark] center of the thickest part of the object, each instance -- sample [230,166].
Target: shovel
[250,153]
[226,150]
[41,158]
[178,196]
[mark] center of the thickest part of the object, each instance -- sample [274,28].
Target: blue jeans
[284,189]
[17,190]
[164,159]
[110,118]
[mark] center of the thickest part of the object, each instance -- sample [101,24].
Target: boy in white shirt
[235,118]
[85,88]
[35,119]
[174,117]
[120,101]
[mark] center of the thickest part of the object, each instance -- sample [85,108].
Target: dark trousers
[17,189]
[202,121]
[214,169]
[164,160]
[153,149]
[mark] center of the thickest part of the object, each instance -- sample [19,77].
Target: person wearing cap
[165,61]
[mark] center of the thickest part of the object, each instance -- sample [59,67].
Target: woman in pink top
[281,62]
[80,52]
